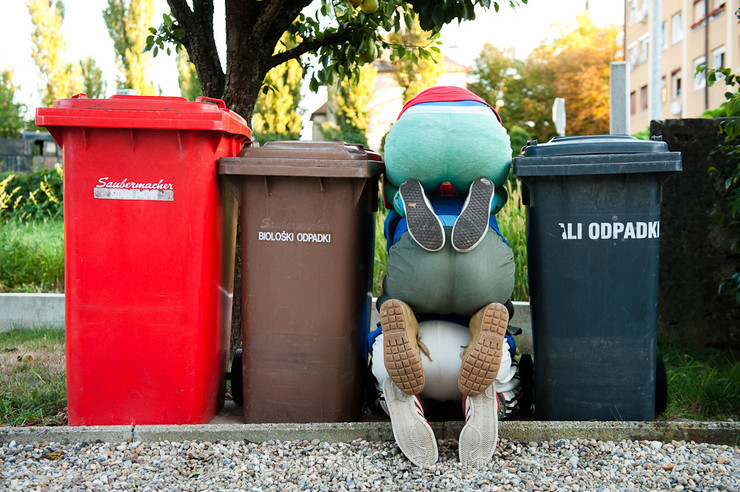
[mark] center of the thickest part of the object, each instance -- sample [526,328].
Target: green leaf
[733,105]
[408,20]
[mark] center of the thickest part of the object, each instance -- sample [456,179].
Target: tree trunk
[253,30]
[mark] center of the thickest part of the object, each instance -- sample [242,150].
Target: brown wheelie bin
[306,248]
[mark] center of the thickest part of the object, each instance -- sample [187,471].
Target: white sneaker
[423,224]
[479,437]
[472,224]
[413,433]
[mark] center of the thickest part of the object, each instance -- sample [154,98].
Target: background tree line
[573,65]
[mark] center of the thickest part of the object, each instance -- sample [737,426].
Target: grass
[512,221]
[381,256]
[32,377]
[703,383]
[32,256]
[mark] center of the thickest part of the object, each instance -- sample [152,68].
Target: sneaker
[413,433]
[472,224]
[400,346]
[479,436]
[423,224]
[482,356]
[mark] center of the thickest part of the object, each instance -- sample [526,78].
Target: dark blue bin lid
[596,154]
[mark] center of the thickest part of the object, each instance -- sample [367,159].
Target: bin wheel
[237,391]
[661,386]
[526,377]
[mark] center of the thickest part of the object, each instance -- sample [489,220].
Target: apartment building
[691,33]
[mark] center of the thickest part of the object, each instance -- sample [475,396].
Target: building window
[633,102]
[643,98]
[664,35]
[676,28]
[663,90]
[644,48]
[718,57]
[632,55]
[698,13]
[633,11]
[676,84]
[700,79]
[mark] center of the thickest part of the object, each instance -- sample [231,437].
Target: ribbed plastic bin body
[593,250]
[306,248]
[149,248]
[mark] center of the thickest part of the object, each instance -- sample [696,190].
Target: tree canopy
[341,34]
[127,22]
[60,79]
[11,112]
[575,66]
[415,74]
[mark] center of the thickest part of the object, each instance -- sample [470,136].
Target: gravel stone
[577,465]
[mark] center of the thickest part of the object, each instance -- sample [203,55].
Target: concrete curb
[29,310]
[727,433]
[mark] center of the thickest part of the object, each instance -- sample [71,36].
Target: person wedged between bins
[444,283]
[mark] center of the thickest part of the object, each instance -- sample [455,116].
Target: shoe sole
[423,224]
[413,433]
[481,363]
[471,226]
[479,437]
[402,359]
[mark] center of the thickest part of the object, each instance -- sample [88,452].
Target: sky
[85,34]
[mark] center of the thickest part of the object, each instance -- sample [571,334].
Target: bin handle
[213,100]
[81,95]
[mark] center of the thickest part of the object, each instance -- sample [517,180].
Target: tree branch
[265,21]
[335,38]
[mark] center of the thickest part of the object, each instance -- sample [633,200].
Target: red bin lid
[153,112]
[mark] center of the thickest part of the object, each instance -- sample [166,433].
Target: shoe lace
[422,346]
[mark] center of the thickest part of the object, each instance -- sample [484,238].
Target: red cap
[445,93]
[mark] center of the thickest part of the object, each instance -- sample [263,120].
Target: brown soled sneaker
[482,356]
[400,346]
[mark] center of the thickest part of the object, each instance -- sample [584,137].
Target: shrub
[33,196]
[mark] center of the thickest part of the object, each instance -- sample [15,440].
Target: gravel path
[302,465]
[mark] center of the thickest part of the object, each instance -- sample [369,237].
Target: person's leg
[482,361]
[482,356]
[400,346]
[411,430]
[479,436]
[423,224]
[413,433]
[472,224]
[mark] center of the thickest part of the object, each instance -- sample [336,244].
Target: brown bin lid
[303,158]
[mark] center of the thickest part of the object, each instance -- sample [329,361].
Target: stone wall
[695,251]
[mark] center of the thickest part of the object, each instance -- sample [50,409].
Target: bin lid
[304,158]
[150,112]
[596,154]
